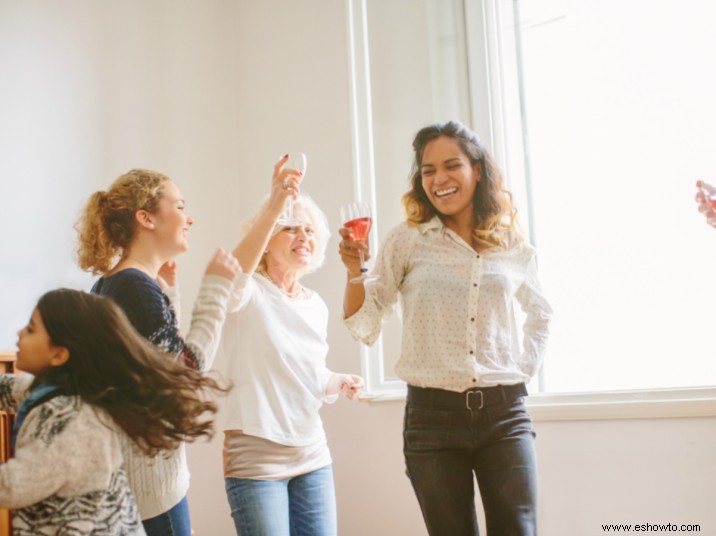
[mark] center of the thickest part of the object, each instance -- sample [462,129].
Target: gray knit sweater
[66,476]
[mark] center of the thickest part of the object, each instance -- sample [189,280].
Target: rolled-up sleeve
[381,295]
[538,315]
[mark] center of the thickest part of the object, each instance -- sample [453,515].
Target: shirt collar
[436,224]
[433,223]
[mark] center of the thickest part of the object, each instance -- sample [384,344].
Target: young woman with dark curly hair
[459,265]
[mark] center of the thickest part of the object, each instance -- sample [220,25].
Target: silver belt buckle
[467,400]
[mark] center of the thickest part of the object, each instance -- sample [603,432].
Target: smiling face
[291,249]
[170,221]
[449,179]
[35,351]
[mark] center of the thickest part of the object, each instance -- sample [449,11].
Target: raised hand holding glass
[298,162]
[357,217]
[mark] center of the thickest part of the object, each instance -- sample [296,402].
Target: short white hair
[317,219]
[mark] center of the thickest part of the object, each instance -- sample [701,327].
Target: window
[600,114]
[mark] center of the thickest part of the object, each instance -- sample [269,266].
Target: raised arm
[350,250]
[366,309]
[209,313]
[284,183]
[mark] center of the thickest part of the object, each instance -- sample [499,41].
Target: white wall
[211,92]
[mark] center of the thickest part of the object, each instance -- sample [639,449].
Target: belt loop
[467,400]
[503,393]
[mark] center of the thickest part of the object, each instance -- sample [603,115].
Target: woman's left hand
[353,389]
[350,386]
[350,251]
[703,192]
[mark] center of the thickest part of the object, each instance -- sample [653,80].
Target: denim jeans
[303,505]
[443,449]
[174,522]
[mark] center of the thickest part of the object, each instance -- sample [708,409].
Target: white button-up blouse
[459,327]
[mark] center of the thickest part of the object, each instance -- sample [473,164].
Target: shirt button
[472,320]
[477,256]
[472,352]
[474,284]
[474,380]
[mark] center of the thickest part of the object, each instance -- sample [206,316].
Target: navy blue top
[148,309]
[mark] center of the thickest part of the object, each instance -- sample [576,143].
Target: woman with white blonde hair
[277,465]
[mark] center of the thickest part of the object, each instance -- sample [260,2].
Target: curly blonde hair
[107,223]
[494,214]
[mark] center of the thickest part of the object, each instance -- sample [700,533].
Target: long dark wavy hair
[493,212]
[157,401]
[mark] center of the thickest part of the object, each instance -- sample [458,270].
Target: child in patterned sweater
[89,383]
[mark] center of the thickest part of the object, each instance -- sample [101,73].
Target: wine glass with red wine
[357,217]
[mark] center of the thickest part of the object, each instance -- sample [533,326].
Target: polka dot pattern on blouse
[459,327]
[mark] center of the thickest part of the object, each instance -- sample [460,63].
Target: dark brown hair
[157,401]
[494,215]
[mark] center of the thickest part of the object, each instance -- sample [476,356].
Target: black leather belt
[472,399]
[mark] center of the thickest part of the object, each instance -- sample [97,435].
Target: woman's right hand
[223,264]
[167,276]
[350,250]
[285,183]
[704,191]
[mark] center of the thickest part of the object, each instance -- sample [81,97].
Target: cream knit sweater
[159,483]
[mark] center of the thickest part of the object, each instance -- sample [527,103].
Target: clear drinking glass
[357,217]
[299,162]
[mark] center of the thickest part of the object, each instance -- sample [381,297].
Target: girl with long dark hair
[90,387]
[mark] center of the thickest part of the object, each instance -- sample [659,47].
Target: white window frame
[372,361]
[484,50]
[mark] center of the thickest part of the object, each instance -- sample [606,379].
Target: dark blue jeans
[444,447]
[174,522]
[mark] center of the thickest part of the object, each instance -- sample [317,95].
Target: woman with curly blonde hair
[459,265]
[130,235]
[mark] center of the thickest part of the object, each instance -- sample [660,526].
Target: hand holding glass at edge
[706,198]
[298,162]
[357,219]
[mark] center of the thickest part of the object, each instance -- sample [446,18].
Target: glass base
[364,278]
[289,222]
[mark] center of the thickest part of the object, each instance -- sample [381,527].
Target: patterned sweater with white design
[66,476]
[159,483]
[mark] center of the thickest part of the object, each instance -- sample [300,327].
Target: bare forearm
[249,251]
[353,297]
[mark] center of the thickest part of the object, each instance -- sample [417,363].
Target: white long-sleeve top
[458,309]
[276,348]
[66,476]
